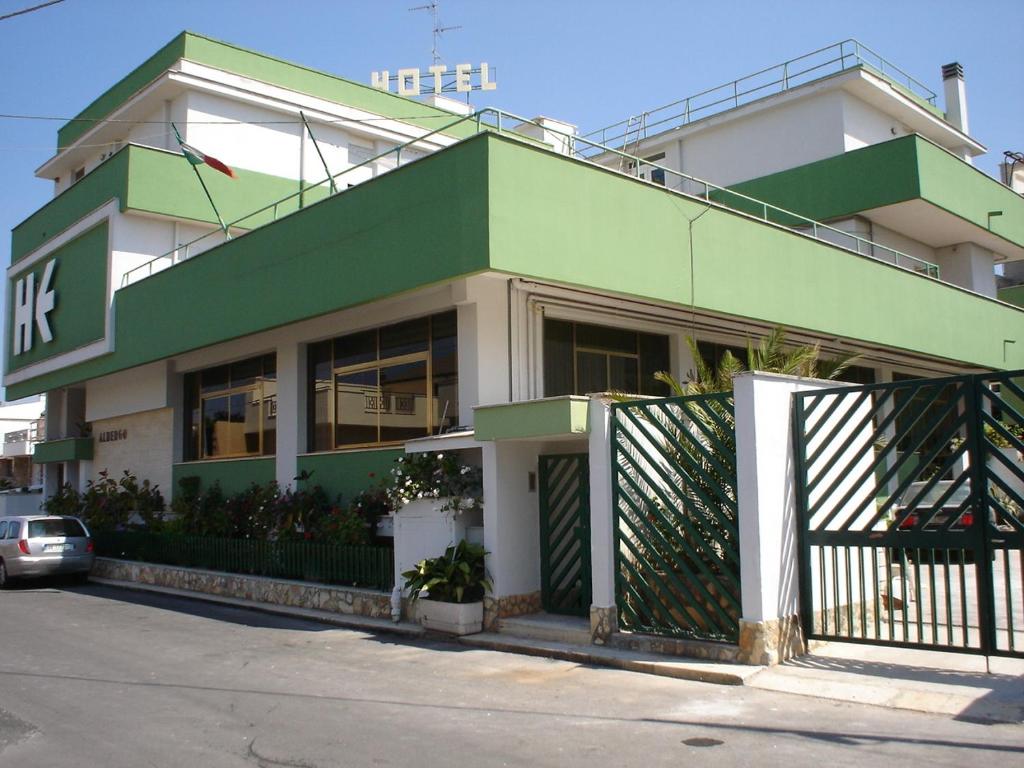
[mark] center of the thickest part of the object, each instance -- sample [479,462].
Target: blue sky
[590,63]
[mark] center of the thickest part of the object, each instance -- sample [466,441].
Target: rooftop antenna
[438,29]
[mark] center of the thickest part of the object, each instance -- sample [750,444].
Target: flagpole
[316,145]
[223,226]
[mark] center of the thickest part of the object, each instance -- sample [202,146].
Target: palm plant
[769,355]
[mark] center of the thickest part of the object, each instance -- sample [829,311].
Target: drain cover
[702,741]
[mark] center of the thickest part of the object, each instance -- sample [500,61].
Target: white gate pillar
[603,619]
[770,628]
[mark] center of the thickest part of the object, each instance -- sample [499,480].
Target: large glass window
[384,386]
[231,410]
[580,359]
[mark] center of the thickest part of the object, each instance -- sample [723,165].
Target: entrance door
[565,533]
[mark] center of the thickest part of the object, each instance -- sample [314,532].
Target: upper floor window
[385,385]
[581,358]
[231,410]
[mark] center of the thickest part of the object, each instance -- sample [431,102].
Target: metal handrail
[846,54]
[582,148]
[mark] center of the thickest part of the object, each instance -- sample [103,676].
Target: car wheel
[4,580]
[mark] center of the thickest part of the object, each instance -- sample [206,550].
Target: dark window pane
[54,526]
[245,409]
[245,372]
[191,416]
[216,427]
[404,338]
[444,344]
[355,348]
[446,403]
[320,426]
[609,339]
[591,372]
[270,366]
[269,417]
[558,374]
[623,374]
[403,403]
[215,379]
[653,358]
[444,325]
[358,404]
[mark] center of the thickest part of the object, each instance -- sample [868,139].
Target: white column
[769,548]
[602,517]
[511,517]
[291,411]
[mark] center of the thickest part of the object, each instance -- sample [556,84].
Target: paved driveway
[96,676]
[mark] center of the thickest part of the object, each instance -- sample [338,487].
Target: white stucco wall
[144,388]
[143,447]
[864,124]
[511,517]
[729,149]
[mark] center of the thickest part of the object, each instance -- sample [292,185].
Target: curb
[345,620]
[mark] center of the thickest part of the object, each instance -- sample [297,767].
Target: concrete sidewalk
[952,684]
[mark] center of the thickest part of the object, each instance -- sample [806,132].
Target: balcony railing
[776,79]
[579,148]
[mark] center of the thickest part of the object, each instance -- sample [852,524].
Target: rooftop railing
[577,147]
[776,79]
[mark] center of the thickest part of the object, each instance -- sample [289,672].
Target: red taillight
[910,522]
[967,519]
[89,546]
[23,546]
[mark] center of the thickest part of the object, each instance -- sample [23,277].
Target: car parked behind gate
[42,545]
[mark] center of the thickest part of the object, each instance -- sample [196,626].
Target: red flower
[373,474]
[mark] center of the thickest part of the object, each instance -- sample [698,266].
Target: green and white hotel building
[472,279]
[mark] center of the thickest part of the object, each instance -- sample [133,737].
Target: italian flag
[196,157]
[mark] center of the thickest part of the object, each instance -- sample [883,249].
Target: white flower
[440,455]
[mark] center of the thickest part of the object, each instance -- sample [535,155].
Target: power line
[29,10]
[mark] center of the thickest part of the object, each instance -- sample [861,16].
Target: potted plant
[450,589]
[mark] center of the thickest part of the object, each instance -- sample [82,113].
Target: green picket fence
[359,566]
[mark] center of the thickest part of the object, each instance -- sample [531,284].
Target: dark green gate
[565,533]
[910,497]
[677,542]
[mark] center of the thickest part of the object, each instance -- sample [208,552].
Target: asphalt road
[96,676]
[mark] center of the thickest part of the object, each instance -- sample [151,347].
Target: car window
[54,526]
[3,529]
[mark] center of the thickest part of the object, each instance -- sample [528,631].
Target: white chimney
[956,95]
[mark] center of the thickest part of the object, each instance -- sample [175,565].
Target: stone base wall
[297,594]
[673,646]
[603,623]
[770,642]
[497,608]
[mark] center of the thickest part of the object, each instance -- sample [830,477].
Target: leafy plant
[436,476]
[457,576]
[108,504]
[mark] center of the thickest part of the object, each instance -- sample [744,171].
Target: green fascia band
[550,417]
[68,449]
[518,210]
[894,171]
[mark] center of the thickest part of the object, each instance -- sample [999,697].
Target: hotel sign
[33,305]
[437,79]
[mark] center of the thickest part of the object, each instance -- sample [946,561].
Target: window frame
[378,364]
[200,398]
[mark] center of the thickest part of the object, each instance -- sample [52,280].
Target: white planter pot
[454,618]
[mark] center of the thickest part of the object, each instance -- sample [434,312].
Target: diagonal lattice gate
[910,497]
[565,533]
[677,560]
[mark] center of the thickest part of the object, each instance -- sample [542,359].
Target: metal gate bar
[910,497]
[676,534]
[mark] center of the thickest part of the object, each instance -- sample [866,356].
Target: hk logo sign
[30,304]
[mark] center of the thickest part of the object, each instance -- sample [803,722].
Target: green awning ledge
[68,449]
[550,417]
